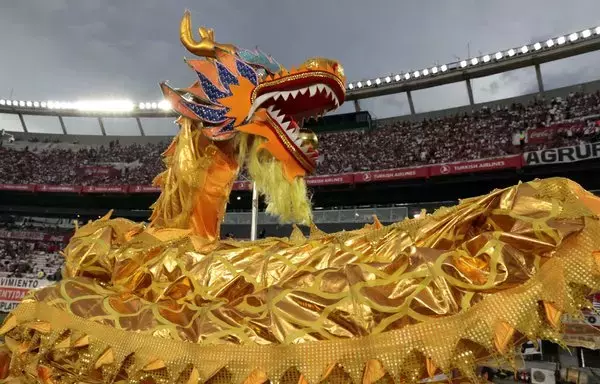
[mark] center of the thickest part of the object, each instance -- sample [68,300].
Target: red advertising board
[17,187]
[242,186]
[544,134]
[105,189]
[143,189]
[58,188]
[344,178]
[33,236]
[98,171]
[392,174]
[483,165]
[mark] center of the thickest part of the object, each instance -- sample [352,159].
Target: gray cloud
[70,49]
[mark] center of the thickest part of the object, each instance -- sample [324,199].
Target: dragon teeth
[294,93]
[312,90]
[285,125]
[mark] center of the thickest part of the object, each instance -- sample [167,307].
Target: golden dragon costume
[171,303]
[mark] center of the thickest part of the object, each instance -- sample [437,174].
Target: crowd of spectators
[484,133]
[25,259]
[24,255]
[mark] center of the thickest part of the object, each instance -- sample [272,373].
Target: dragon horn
[207,46]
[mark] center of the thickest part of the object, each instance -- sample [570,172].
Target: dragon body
[172,303]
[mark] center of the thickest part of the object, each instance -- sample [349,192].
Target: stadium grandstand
[393,168]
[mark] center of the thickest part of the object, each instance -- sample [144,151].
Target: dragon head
[246,94]
[241,90]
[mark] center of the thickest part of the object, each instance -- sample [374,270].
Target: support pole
[357,106]
[470,92]
[62,124]
[254,212]
[23,125]
[101,123]
[538,74]
[410,102]
[139,124]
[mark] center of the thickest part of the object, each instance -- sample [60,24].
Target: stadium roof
[560,47]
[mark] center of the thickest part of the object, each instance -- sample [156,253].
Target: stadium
[400,168]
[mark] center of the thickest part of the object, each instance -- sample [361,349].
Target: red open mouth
[300,97]
[291,100]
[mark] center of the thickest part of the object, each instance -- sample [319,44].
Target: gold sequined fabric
[384,304]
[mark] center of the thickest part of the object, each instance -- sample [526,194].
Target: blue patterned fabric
[212,92]
[208,114]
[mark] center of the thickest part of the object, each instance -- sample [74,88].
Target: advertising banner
[13,289]
[344,178]
[105,189]
[588,151]
[242,186]
[143,189]
[392,174]
[483,165]
[17,187]
[33,236]
[58,188]
[544,134]
[98,171]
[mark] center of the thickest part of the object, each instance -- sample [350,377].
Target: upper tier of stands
[490,130]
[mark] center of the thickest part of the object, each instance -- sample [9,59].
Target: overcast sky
[90,49]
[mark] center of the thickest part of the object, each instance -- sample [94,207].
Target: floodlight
[434,70]
[524,49]
[165,105]
[486,58]
[573,37]
[359,84]
[425,72]
[586,33]
[148,105]
[561,40]
[511,52]
[498,55]
[350,86]
[463,63]
[474,61]
[369,83]
[43,104]
[154,105]
[444,68]
[378,81]
[388,79]
[15,103]
[141,105]
[36,104]
[407,76]
[2,102]
[8,102]
[597,30]
[537,46]
[550,43]
[103,105]
[397,77]
[29,104]
[416,74]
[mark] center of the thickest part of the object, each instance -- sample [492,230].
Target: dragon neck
[196,185]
